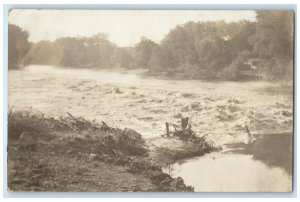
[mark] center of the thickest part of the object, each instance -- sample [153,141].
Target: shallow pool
[264,166]
[230,173]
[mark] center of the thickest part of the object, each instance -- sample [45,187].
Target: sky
[124,27]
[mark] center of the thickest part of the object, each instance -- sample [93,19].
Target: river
[126,99]
[263,166]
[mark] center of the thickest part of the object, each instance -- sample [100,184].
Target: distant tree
[181,44]
[143,52]
[217,50]
[274,39]
[72,51]
[211,54]
[231,72]
[240,41]
[274,34]
[97,51]
[18,46]
[122,58]
[161,60]
[43,52]
[105,51]
[199,47]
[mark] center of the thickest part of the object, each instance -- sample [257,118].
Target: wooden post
[248,131]
[167,129]
[184,123]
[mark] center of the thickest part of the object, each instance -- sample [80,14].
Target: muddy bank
[72,154]
[165,151]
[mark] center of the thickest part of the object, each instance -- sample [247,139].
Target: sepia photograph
[150,100]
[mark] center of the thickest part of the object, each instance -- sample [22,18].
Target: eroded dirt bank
[72,154]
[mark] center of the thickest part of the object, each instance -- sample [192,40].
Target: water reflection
[264,166]
[274,150]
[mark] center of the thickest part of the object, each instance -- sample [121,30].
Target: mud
[98,158]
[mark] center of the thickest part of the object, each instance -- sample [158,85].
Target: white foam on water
[145,104]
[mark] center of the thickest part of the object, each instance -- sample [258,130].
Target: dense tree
[180,42]
[143,52]
[72,51]
[161,61]
[240,41]
[212,50]
[18,46]
[274,39]
[122,58]
[43,52]
[274,34]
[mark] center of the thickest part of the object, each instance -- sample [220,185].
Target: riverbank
[265,165]
[73,154]
[128,100]
[165,151]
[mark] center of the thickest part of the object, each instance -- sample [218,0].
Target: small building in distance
[253,68]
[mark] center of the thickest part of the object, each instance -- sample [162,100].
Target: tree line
[195,50]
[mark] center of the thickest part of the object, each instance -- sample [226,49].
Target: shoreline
[90,157]
[144,73]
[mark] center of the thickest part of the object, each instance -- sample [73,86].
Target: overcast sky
[124,27]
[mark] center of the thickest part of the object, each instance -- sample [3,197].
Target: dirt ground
[48,170]
[92,160]
[165,151]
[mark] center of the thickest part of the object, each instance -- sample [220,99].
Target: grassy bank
[73,154]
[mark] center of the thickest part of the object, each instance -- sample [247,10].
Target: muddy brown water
[263,166]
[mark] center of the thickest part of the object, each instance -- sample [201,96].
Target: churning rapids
[126,99]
